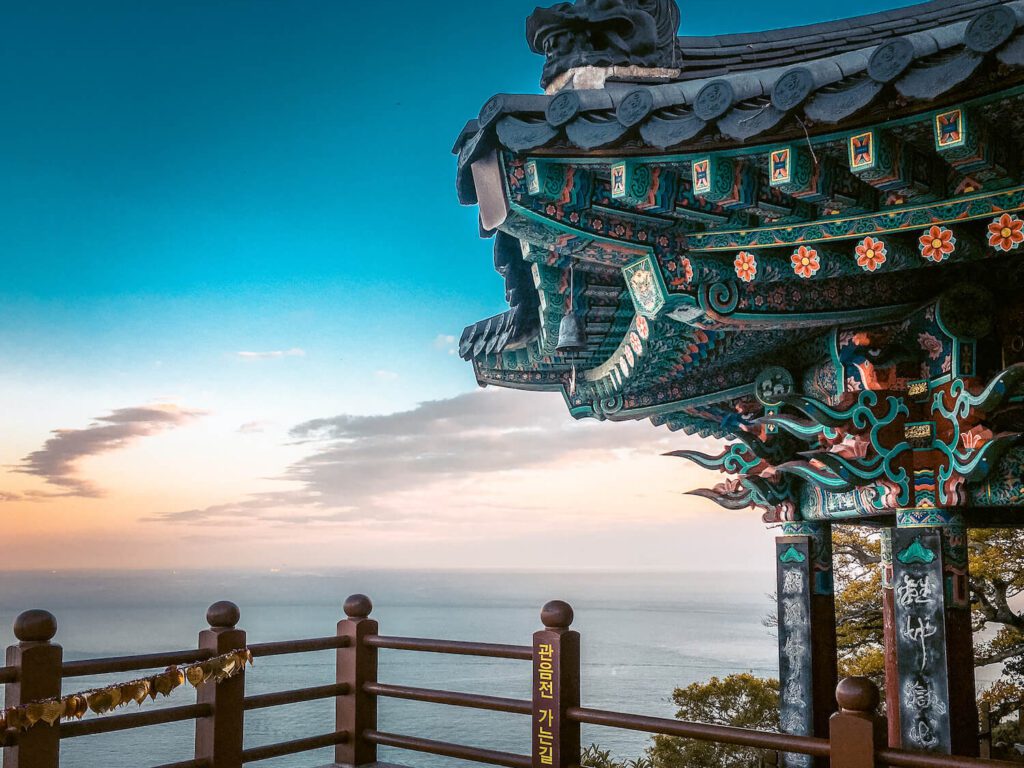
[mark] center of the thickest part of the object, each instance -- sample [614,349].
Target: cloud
[253,427]
[446,343]
[57,461]
[273,355]
[358,466]
[9,497]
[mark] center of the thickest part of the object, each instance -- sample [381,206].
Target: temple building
[805,243]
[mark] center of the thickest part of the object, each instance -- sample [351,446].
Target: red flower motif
[687,270]
[806,262]
[1005,233]
[871,254]
[937,244]
[746,266]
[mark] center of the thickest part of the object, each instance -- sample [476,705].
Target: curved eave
[893,71]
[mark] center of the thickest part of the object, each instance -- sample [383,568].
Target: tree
[595,757]
[997,578]
[742,700]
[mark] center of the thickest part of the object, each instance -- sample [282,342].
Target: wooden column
[219,737]
[807,633]
[39,678]
[935,644]
[892,682]
[356,711]
[556,688]
[856,730]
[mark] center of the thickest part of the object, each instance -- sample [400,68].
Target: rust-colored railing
[36,672]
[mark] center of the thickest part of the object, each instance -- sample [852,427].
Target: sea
[642,634]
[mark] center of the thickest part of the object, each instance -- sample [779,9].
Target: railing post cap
[358,607]
[858,694]
[557,615]
[223,615]
[35,627]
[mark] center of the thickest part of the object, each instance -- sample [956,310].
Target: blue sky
[247,208]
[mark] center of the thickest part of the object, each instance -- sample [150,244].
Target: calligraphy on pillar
[795,667]
[545,702]
[920,628]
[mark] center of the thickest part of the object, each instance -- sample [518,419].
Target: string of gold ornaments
[102,701]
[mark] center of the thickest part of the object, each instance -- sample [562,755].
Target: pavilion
[803,242]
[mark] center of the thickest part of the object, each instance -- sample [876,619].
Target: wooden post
[39,678]
[219,737]
[556,688]
[356,711]
[985,738]
[856,730]
[890,640]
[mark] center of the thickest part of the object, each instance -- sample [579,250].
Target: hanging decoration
[102,701]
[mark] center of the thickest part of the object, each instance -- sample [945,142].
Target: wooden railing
[35,672]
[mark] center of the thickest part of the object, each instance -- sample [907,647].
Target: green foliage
[746,701]
[742,700]
[595,757]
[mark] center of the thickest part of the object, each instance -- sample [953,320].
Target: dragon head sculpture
[604,33]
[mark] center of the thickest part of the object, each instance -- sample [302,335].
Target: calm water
[642,636]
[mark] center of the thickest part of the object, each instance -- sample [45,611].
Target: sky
[233,270]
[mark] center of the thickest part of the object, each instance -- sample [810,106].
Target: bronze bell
[571,335]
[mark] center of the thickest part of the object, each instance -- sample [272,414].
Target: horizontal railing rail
[468,700]
[856,738]
[127,722]
[295,747]
[721,734]
[93,667]
[187,764]
[298,696]
[290,647]
[896,758]
[453,647]
[444,749]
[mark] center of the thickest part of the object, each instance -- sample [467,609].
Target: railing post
[357,666]
[39,677]
[985,737]
[556,688]
[857,732]
[219,737]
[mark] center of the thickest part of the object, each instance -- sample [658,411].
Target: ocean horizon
[643,634]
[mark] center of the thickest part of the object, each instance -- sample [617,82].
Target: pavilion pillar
[892,683]
[807,633]
[934,641]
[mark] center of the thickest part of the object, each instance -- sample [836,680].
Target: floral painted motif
[1004,234]
[636,344]
[806,262]
[687,268]
[642,327]
[871,254]
[930,344]
[975,438]
[937,244]
[746,266]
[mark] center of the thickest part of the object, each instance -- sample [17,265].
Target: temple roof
[703,57]
[734,88]
[681,179]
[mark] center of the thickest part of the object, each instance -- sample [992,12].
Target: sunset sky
[232,272]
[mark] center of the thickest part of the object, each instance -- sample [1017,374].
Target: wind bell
[572,337]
